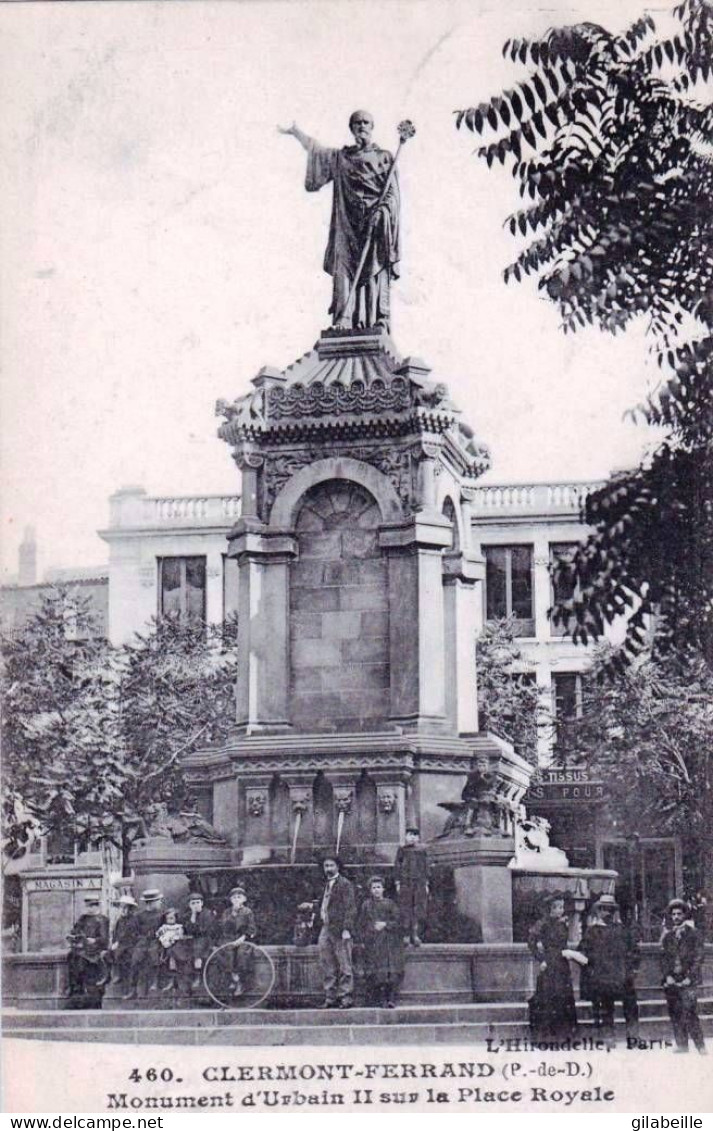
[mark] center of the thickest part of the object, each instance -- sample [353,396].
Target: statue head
[361,123]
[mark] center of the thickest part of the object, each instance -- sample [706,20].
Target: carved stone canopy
[352,395]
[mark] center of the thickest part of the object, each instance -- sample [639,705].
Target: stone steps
[406,1025]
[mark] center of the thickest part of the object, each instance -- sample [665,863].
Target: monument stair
[406,1025]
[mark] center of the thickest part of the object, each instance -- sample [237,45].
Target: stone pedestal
[161,863]
[483,882]
[358,597]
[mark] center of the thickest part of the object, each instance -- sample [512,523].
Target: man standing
[337,914]
[146,954]
[359,174]
[123,940]
[681,960]
[411,876]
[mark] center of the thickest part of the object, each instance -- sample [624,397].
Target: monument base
[483,882]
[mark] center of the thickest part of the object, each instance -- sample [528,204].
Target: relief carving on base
[397,464]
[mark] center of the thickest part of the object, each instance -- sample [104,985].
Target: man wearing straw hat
[363,250]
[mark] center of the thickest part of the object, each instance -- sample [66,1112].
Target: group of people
[608,957]
[157,949]
[382,927]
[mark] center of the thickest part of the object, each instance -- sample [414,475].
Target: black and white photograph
[356,606]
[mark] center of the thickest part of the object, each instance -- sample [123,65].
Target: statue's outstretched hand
[295,131]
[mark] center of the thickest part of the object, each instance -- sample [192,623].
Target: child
[173,951]
[237,925]
[199,928]
[411,876]
[379,929]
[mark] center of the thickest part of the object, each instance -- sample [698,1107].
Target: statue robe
[358,176]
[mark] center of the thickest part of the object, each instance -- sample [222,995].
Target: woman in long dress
[553,1015]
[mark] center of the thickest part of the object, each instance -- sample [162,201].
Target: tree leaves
[93,735]
[648,732]
[620,226]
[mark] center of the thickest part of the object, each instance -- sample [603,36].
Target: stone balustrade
[132,508]
[530,498]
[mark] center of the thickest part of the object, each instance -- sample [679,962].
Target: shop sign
[64,883]
[572,786]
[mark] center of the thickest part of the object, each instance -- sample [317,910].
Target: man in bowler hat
[337,914]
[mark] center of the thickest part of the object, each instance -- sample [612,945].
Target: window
[567,707]
[182,587]
[561,590]
[508,585]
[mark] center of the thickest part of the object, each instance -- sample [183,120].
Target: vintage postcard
[323,324]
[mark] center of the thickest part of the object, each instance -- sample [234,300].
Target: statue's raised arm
[295,131]
[363,249]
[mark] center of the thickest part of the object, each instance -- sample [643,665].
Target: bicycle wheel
[241,980]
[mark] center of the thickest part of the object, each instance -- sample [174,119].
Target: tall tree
[64,761]
[610,140]
[93,735]
[648,734]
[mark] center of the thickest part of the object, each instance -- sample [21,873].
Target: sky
[157,246]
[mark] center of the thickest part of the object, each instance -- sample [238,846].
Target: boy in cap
[238,926]
[681,961]
[147,951]
[411,877]
[123,940]
[199,927]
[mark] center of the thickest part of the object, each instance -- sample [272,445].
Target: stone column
[263,638]
[214,589]
[461,572]
[416,620]
[249,460]
[541,585]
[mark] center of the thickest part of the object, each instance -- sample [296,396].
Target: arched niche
[339,611]
[289,500]
[449,511]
